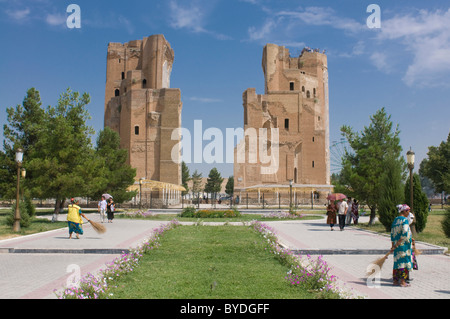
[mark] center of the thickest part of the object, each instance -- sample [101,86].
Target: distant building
[144,110]
[296,103]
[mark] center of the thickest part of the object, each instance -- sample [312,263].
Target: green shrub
[25,219]
[446,223]
[206,213]
[391,193]
[31,210]
[188,212]
[421,203]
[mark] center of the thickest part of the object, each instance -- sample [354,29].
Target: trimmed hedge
[207,213]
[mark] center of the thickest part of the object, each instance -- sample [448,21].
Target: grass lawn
[432,234]
[204,262]
[37,225]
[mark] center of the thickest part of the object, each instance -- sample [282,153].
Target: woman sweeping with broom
[401,239]
[74,219]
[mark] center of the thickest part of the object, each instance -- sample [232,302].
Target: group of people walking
[344,210]
[106,208]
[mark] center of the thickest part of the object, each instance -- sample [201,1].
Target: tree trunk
[373,210]
[59,207]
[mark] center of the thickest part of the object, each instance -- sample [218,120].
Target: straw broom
[378,264]
[99,228]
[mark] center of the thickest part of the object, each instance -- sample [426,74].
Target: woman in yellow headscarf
[74,219]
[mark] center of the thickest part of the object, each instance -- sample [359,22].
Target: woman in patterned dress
[401,239]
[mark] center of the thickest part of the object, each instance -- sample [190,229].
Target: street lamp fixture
[19,159]
[290,195]
[141,180]
[410,157]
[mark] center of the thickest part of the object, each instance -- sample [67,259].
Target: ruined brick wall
[141,106]
[295,102]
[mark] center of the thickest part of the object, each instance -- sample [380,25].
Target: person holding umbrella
[110,210]
[331,215]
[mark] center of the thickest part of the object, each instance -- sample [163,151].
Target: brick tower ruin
[143,109]
[296,103]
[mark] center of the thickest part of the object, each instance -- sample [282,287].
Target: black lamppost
[19,159]
[290,195]
[141,180]
[410,157]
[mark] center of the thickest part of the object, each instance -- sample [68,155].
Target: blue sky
[403,66]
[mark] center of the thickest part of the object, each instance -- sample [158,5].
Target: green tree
[391,193]
[214,182]
[363,168]
[196,183]
[336,181]
[112,174]
[7,177]
[229,187]
[420,203]
[23,128]
[185,177]
[61,158]
[437,166]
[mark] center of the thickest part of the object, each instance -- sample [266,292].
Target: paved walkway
[349,253]
[33,266]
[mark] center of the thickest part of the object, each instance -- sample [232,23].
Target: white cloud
[282,26]
[379,59]
[263,32]
[192,17]
[18,15]
[55,19]
[204,99]
[322,16]
[417,42]
[357,50]
[425,36]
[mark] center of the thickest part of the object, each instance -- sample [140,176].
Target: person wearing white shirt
[342,212]
[348,216]
[102,208]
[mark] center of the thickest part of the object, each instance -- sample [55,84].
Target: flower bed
[309,273]
[282,215]
[92,287]
[139,214]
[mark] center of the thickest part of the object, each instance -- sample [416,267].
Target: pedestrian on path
[331,215]
[348,215]
[355,213]
[401,239]
[74,219]
[342,212]
[102,209]
[110,207]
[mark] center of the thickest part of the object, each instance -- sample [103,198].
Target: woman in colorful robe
[401,239]
[74,219]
